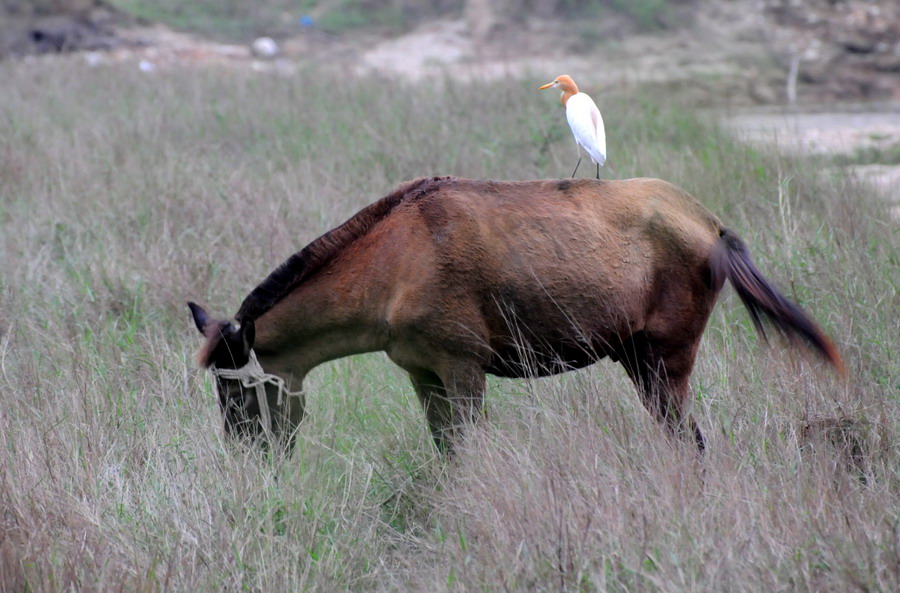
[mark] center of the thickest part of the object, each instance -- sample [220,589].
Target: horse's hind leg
[450,402]
[661,374]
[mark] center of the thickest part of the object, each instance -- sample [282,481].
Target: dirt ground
[830,130]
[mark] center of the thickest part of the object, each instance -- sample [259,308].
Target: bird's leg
[576,166]
[598,170]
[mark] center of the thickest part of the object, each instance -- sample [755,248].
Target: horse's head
[227,349]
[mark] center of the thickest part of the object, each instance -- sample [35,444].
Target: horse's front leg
[452,397]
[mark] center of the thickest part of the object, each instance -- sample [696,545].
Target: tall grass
[123,195]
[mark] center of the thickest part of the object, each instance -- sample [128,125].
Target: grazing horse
[455,278]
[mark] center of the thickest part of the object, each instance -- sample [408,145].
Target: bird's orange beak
[546,86]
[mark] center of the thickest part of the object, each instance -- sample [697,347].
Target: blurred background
[742,52]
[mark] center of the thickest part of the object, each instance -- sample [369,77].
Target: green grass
[122,196]
[233,19]
[237,19]
[871,155]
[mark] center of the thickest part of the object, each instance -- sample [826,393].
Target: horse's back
[583,237]
[577,263]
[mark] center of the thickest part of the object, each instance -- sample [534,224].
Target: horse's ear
[201,317]
[248,334]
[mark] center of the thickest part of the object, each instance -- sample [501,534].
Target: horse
[455,278]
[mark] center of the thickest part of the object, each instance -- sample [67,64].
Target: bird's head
[563,82]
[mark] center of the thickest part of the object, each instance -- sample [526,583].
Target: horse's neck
[326,318]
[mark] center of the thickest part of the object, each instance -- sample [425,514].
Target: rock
[815,72]
[28,27]
[762,92]
[859,44]
[264,47]
[888,63]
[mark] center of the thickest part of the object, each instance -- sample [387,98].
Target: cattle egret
[584,119]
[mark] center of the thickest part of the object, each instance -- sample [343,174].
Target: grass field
[236,20]
[124,195]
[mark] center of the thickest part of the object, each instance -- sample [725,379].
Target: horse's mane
[323,250]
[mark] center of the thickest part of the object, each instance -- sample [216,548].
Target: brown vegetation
[123,194]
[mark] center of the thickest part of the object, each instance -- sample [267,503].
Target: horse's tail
[730,259]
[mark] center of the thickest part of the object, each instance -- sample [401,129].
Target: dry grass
[121,196]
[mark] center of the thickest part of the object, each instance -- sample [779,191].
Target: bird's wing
[587,126]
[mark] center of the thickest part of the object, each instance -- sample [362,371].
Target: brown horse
[455,278]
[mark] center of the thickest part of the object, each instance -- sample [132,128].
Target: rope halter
[252,376]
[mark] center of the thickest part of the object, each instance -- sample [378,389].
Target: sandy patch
[825,132]
[831,132]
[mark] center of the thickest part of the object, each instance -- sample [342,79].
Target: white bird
[584,118]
